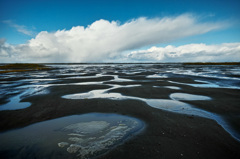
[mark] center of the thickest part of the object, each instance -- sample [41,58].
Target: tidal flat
[147,111]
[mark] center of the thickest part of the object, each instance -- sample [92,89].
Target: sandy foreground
[166,134]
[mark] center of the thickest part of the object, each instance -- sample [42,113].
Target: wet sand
[166,135]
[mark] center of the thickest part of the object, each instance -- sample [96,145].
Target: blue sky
[22,20]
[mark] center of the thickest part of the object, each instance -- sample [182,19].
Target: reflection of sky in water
[205,84]
[14,101]
[157,76]
[173,104]
[84,136]
[32,83]
[218,72]
[188,97]
[169,87]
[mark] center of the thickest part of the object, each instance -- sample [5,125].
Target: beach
[187,111]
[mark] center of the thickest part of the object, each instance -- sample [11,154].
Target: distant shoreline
[21,67]
[184,63]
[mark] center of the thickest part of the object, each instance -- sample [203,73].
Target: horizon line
[82,63]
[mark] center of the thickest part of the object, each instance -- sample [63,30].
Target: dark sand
[167,134]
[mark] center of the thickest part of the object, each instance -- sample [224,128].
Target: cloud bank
[105,41]
[227,52]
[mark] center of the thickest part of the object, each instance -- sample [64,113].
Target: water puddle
[82,136]
[205,84]
[175,103]
[83,77]
[84,83]
[189,97]
[101,93]
[201,85]
[216,73]
[117,79]
[169,87]
[15,101]
[157,76]
[172,105]
[130,73]
[184,108]
[173,87]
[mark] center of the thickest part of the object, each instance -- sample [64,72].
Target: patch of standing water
[15,101]
[157,76]
[82,136]
[201,85]
[101,93]
[117,79]
[188,97]
[172,105]
[205,84]
[170,87]
[173,87]
[85,83]
[184,108]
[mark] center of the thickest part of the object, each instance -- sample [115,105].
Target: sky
[75,31]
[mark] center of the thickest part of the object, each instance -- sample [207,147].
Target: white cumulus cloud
[226,52]
[104,41]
